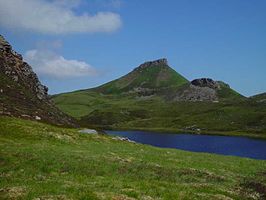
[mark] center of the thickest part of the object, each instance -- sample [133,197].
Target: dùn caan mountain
[21,93]
[155,97]
[40,161]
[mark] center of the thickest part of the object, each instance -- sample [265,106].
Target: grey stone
[158,62]
[123,139]
[38,118]
[20,71]
[15,78]
[88,131]
[205,82]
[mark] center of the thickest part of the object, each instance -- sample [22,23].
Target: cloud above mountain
[47,63]
[54,17]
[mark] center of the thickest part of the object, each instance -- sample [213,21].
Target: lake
[225,145]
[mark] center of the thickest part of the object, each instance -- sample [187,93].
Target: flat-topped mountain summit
[159,62]
[21,92]
[147,78]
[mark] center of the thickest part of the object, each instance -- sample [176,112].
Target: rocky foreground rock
[21,92]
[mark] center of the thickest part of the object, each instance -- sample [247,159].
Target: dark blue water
[225,145]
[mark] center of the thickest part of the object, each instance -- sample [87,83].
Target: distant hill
[259,97]
[155,97]
[21,93]
[148,78]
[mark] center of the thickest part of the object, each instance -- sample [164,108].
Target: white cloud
[48,64]
[54,17]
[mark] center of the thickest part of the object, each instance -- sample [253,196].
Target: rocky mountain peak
[4,45]
[13,66]
[158,62]
[206,82]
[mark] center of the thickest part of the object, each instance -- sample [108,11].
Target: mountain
[259,97]
[148,78]
[158,78]
[155,97]
[21,93]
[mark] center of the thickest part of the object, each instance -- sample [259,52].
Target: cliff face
[21,93]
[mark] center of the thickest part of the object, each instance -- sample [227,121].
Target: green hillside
[155,97]
[259,98]
[150,75]
[40,161]
[244,117]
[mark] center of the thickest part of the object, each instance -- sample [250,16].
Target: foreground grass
[39,161]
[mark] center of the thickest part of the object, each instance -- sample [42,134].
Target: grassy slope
[154,77]
[17,100]
[46,162]
[127,112]
[260,97]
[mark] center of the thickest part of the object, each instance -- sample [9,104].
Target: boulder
[88,131]
[206,82]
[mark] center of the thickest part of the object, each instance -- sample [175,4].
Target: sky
[79,44]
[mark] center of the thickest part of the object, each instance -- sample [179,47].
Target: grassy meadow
[239,117]
[40,161]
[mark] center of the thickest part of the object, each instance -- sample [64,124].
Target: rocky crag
[204,89]
[21,93]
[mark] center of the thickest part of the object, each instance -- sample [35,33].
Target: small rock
[25,116]
[123,139]
[15,78]
[38,118]
[88,131]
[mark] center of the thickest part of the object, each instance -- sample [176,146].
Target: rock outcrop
[203,89]
[13,66]
[197,93]
[21,93]
[205,82]
[159,62]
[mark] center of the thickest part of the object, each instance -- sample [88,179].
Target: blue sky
[221,39]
